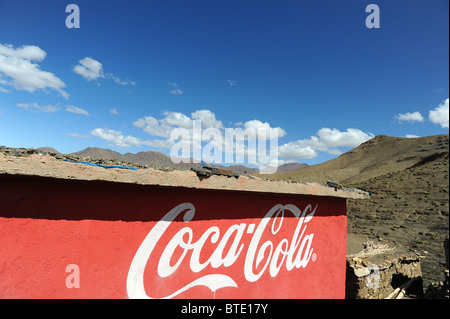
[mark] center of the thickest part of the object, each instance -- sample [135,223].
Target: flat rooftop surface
[49,166]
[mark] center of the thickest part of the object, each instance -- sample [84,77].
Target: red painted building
[69,230]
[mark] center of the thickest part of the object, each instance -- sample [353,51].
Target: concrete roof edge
[47,166]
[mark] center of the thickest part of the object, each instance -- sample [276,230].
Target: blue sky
[310,70]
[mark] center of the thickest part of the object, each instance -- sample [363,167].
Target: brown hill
[408,208]
[242,170]
[288,167]
[157,159]
[378,156]
[238,169]
[96,152]
[48,150]
[150,158]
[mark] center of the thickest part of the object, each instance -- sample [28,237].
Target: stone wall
[440,290]
[377,275]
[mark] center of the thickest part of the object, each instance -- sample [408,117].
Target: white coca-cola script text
[293,253]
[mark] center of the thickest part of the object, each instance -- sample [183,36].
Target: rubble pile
[24,152]
[378,272]
[440,290]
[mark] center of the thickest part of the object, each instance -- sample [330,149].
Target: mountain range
[378,156]
[157,159]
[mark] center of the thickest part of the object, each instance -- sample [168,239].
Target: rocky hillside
[288,167]
[378,156]
[408,208]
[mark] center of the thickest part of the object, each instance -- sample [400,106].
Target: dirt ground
[409,208]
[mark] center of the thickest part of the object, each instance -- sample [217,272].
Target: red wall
[129,241]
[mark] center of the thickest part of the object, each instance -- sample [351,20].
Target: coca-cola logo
[259,257]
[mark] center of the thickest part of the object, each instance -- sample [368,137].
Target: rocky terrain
[378,156]
[409,206]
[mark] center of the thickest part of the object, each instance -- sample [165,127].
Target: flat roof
[49,166]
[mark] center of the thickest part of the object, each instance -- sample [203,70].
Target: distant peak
[48,149]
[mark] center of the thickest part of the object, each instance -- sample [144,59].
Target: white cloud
[119,140]
[153,127]
[116,137]
[3,90]
[92,69]
[76,135]
[114,111]
[76,110]
[173,120]
[208,119]
[176,92]
[410,117]
[176,89]
[264,130]
[411,136]
[216,137]
[231,82]
[19,65]
[327,140]
[350,138]
[440,115]
[89,68]
[27,52]
[34,107]
[119,81]
[176,119]
[294,150]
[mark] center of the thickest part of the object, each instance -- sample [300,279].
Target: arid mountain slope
[409,208]
[378,156]
[150,158]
